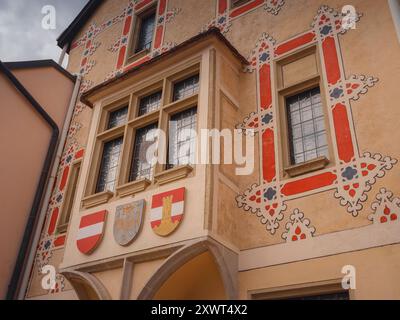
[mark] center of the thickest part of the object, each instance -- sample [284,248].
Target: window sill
[307,167]
[133,187]
[97,199]
[62,229]
[136,56]
[173,174]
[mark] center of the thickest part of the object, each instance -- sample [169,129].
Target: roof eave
[85,97]
[68,35]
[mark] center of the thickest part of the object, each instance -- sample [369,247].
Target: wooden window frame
[70,197]
[285,91]
[135,32]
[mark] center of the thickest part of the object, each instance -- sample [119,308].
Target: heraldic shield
[91,230]
[128,220]
[167,211]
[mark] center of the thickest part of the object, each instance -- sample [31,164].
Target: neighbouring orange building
[314,85]
[32,119]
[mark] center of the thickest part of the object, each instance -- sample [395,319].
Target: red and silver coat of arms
[91,231]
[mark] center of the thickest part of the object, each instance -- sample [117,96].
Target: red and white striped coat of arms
[167,211]
[91,231]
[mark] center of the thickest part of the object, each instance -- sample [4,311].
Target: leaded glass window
[306,122]
[182,144]
[186,88]
[109,165]
[117,118]
[149,103]
[141,168]
[146,32]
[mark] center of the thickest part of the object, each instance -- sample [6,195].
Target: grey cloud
[21,34]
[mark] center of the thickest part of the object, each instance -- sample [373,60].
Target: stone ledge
[173,174]
[133,187]
[97,199]
[306,167]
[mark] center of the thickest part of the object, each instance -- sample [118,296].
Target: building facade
[28,154]
[313,84]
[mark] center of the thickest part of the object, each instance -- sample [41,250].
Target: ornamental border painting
[353,174]
[226,13]
[163,17]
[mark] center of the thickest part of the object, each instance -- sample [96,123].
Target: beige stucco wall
[377,274]
[371,49]
[24,139]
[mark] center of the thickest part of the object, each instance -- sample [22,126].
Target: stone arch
[225,260]
[87,286]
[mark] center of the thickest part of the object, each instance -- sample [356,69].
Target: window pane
[306,122]
[146,33]
[149,103]
[306,114]
[309,143]
[140,167]
[182,144]
[117,118]
[109,164]
[186,88]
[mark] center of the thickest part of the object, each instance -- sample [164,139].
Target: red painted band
[308,184]
[265,87]
[121,57]
[64,178]
[127,25]
[343,133]
[53,221]
[331,60]
[59,241]
[295,43]
[268,143]
[222,6]
[159,36]
[162,7]
[245,8]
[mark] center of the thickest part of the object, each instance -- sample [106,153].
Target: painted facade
[238,236]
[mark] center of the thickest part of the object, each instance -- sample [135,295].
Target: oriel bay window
[129,127]
[304,124]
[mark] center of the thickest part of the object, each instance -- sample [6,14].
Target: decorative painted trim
[226,14]
[386,208]
[164,16]
[354,174]
[298,228]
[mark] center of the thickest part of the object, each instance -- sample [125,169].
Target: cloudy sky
[21,34]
